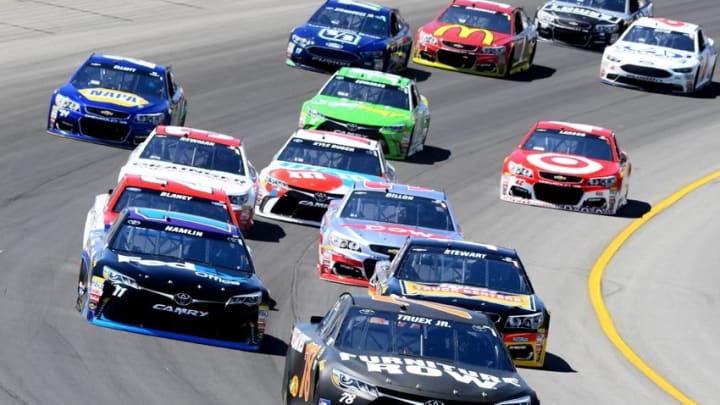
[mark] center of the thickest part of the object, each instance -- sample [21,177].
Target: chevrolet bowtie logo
[559,177]
[106,113]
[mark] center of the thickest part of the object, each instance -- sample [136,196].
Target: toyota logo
[351,127]
[183,299]
[434,402]
[321,197]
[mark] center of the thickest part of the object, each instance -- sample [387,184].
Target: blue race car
[173,275]
[351,33]
[116,101]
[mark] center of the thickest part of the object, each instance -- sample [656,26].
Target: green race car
[376,105]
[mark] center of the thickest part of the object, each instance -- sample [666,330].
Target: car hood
[412,374]
[108,98]
[339,38]
[358,111]
[570,165]
[590,15]
[316,178]
[465,296]
[650,55]
[230,183]
[387,234]
[466,35]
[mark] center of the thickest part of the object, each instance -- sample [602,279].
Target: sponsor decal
[467,292]
[652,51]
[312,351]
[465,253]
[117,97]
[293,386]
[428,368]
[298,340]
[180,311]
[217,279]
[578,165]
[394,229]
[154,165]
[308,179]
[184,231]
[380,110]
[345,37]
[580,11]
[176,196]
[399,196]
[200,141]
[462,32]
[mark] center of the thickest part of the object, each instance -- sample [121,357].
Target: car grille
[295,204]
[560,177]
[521,352]
[393,397]
[646,71]
[650,85]
[105,112]
[457,60]
[342,57]
[458,45]
[558,194]
[391,251]
[103,129]
[572,25]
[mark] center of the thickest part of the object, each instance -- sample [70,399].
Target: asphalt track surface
[228,54]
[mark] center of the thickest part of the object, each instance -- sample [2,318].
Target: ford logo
[183,299]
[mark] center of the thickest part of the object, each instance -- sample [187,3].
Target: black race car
[394,350]
[477,277]
[589,23]
[173,275]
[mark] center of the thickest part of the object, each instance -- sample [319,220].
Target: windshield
[477,18]
[214,250]
[375,332]
[145,83]
[333,156]
[616,6]
[195,153]
[148,198]
[442,265]
[682,41]
[397,208]
[351,20]
[368,92]
[571,143]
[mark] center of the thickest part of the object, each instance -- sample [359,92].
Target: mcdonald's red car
[478,37]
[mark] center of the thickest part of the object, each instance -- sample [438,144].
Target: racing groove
[229,57]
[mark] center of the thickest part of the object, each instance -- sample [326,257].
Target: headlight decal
[532,321]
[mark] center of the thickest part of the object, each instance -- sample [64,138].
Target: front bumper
[644,77]
[522,190]
[324,59]
[527,349]
[349,267]
[395,144]
[462,61]
[122,133]
[292,205]
[574,33]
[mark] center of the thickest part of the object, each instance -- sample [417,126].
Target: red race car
[478,37]
[575,167]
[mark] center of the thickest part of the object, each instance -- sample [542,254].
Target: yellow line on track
[595,287]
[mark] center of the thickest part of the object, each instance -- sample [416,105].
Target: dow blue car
[116,101]
[351,33]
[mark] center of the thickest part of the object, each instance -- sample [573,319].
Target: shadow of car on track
[709,92]
[536,72]
[265,232]
[634,209]
[273,346]
[556,364]
[430,155]
[416,74]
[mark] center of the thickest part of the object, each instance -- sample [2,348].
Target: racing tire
[406,60]
[83,276]
[694,91]
[386,63]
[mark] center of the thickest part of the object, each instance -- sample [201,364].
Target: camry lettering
[180,311]
[176,196]
[466,32]
[184,231]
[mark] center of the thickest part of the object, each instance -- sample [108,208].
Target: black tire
[83,276]
[694,90]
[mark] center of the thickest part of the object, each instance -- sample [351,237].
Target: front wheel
[82,288]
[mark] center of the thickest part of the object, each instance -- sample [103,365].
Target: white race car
[662,55]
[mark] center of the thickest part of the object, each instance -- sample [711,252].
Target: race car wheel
[695,89]
[84,284]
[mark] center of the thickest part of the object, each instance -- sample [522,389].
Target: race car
[478,37]
[371,223]
[662,55]
[395,350]
[570,166]
[381,106]
[116,101]
[589,23]
[313,168]
[173,275]
[202,157]
[158,193]
[351,33]
[477,277]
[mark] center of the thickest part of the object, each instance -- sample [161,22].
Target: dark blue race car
[351,33]
[173,275]
[116,101]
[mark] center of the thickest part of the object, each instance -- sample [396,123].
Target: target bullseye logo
[565,164]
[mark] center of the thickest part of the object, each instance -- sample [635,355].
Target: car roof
[406,189]
[125,61]
[374,76]
[198,134]
[668,24]
[577,127]
[180,220]
[464,245]
[409,306]
[174,186]
[337,138]
[359,5]
[485,4]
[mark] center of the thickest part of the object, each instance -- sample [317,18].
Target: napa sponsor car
[174,275]
[589,23]
[371,223]
[661,54]
[351,33]
[313,168]
[478,277]
[205,158]
[369,350]
[116,101]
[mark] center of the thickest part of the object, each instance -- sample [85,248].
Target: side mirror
[425,100]
[382,272]
[623,157]
[316,319]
